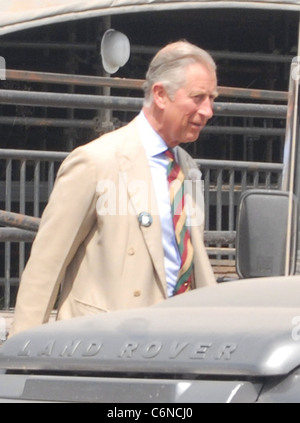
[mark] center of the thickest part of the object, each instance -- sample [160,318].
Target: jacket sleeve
[66,221]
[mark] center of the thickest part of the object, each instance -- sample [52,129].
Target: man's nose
[206,108]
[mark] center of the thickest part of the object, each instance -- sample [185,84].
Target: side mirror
[262,228]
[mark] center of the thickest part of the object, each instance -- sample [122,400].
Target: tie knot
[170,154]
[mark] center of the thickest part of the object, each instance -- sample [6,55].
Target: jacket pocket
[82,308]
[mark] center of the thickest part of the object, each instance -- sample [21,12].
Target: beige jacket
[90,245]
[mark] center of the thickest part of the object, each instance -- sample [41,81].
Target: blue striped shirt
[155,147]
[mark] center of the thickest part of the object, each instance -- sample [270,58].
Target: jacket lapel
[136,175]
[193,189]
[195,200]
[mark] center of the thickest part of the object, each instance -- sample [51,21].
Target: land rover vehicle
[236,342]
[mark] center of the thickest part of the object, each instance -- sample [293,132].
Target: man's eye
[199,98]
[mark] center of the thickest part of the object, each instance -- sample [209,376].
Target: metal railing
[224,182]
[26,181]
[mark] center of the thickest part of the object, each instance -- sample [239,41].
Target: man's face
[186,115]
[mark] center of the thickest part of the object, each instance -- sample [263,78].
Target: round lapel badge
[145,219]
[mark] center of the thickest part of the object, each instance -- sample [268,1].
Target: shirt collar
[152,142]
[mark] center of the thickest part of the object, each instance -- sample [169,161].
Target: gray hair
[169,64]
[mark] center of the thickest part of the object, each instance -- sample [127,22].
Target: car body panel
[221,330]
[18,15]
[228,343]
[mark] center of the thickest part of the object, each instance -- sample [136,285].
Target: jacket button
[131,251]
[137,293]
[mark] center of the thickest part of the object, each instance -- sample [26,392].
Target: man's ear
[159,95]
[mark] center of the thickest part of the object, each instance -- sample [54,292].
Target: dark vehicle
[236,342]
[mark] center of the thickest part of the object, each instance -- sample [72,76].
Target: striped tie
[182,234]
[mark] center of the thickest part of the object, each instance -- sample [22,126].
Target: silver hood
[247,328]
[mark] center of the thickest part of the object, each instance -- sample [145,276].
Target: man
[109,236]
